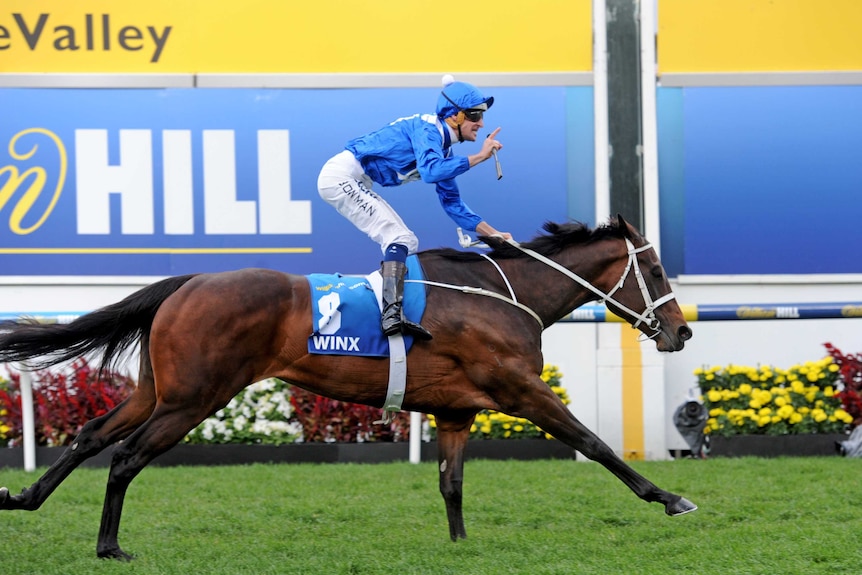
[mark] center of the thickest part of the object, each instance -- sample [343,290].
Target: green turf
[757,516]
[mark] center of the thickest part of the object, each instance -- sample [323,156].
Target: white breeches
[347,188]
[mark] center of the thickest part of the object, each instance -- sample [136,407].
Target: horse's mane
[557,238]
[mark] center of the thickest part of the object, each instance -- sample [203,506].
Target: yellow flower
[714,395]
[745,389]
[519,428]
[763,420]
[842,415]
[828,391]
[785,411]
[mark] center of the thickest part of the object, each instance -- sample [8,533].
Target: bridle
[647,317]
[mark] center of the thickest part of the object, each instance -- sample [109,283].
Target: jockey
[413,148]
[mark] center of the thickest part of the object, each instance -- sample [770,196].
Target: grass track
[777,516]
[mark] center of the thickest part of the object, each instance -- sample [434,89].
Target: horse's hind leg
[164,429]
[452,435]
[95,436]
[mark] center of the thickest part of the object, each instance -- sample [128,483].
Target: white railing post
[28,421]
[415,437]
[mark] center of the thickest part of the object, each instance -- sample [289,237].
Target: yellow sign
[289,37]
[759,36]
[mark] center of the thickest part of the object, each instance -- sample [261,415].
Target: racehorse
[203,338]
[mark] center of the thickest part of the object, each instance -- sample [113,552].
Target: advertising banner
[759,35]
[163,182]
[761,180]
[262,36]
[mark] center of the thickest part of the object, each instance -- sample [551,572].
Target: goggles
[472,114]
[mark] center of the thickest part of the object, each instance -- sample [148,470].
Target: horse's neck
[545,290]
[549,292]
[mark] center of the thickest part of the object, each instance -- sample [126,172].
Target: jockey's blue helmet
[460,96]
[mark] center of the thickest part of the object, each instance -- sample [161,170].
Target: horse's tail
[111,330]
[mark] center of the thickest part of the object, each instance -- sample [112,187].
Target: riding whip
[497,162]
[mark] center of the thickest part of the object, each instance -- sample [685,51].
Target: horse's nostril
[684,333]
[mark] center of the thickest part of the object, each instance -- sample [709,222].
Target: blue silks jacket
[415,148]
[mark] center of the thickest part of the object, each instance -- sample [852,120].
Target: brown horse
[206,337]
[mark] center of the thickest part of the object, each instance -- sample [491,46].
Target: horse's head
[643,295]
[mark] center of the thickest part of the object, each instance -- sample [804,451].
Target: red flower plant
[327,420]
[850,373]
[64,401]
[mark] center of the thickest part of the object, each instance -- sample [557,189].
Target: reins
[647,318]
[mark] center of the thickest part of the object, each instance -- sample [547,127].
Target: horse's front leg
[546,410]
[452,435]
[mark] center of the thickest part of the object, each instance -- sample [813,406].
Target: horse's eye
[656,272]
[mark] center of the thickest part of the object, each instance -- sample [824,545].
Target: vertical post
[600,111]
[415,437]
[624,109]
[649,132]
[28,430]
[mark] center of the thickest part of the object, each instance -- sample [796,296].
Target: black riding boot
[392,318]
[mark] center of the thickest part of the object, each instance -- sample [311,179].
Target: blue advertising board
[173,181]
[761,179]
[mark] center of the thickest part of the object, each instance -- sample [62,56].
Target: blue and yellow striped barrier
[598,313]
[728,312]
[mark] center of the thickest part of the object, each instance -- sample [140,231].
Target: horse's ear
[623,225]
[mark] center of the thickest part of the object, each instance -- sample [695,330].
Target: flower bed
[63,401]
[269,412]
[494,425]
[764,400]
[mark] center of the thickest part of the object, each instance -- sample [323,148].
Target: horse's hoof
[115,553]
[4,495]
[680,507]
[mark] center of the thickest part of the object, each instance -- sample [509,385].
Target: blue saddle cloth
[346,313]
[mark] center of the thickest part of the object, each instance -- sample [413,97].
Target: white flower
[207,432]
